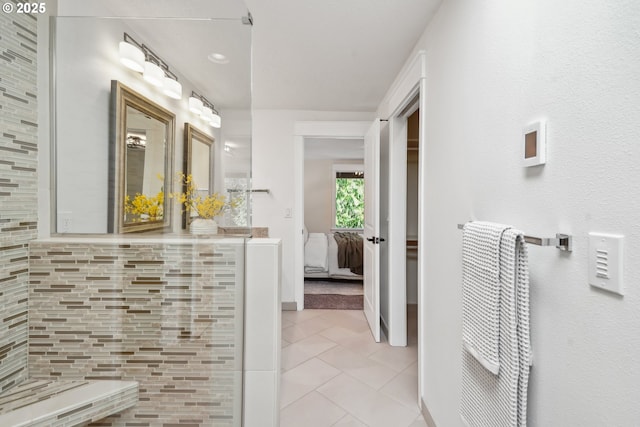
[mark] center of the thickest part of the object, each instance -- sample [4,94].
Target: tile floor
[334,374]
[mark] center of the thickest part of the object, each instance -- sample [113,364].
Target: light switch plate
[605,262]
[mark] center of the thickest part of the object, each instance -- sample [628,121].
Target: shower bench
[40,402]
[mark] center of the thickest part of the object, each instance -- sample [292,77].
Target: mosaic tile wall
[168,315]
[18,187]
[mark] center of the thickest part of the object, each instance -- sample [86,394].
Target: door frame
[408,93]
[313,129]
[371,230]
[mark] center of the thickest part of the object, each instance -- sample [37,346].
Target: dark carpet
[333,294]
[333,302]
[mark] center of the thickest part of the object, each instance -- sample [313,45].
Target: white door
[371,249]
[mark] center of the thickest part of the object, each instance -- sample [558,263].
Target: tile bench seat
[64,403]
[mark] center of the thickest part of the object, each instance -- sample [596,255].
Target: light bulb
[215,121]
[195,105]
[131,56]
[172,88]
[153,73]
[207,114]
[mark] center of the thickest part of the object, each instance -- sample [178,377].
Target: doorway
[333,211]
[308,131]
[413,149]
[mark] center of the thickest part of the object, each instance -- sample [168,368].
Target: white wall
[272,168]
[319,192]
[493,67]
[236,132]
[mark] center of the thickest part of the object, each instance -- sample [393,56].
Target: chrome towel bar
[233,190]
[564,242]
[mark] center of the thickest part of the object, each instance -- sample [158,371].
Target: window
[349,197]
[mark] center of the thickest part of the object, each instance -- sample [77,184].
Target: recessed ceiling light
[218,58]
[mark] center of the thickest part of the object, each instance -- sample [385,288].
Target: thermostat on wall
[534,144]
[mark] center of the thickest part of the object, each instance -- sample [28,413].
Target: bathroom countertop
[226,234]
[142,238]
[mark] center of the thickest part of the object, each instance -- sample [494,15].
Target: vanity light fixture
[200,105]
[131,54]
[207,114]
[139,57]
[135,141]
[172,87]
[215,121]
[153,73]
[195,104]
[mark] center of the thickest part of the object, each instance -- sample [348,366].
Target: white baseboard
[384,328]
[426,414]
[289,306]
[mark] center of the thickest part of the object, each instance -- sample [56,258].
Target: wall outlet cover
[605,262]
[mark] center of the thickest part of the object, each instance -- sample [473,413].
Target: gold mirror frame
[191,133]
[121,98]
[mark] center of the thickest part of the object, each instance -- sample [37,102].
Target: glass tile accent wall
[18,187]
[164,313]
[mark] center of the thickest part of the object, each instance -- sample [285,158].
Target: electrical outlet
[287,213]
[65,222]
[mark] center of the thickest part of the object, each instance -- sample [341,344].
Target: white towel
[316,251]
[481,291]
[501,400]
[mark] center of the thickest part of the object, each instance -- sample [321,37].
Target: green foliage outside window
[349,202]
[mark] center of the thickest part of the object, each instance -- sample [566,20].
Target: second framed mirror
[198,162]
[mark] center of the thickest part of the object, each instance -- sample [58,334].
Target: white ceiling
[331,55]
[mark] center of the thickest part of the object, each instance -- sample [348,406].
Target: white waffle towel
[501,400]
[481,291]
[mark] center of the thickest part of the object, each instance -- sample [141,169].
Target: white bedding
[316,252]
[313,253]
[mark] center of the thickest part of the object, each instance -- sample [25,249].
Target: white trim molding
[426,414]
[404,85]
[407,91]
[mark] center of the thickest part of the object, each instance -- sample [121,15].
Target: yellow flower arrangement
[207,207]
[148,208]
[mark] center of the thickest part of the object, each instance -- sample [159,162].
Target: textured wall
[493,67]
[166,314]
[18,187]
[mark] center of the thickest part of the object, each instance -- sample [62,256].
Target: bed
[321,258]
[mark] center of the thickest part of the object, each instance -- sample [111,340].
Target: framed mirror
[197,162]
[140,162]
